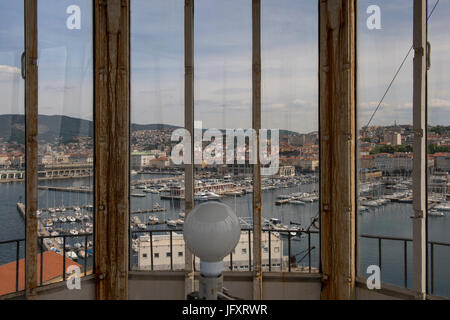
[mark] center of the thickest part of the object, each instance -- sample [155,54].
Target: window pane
[385,136]
[439,150]
[65,137]
[157,109]
[290,105]
[12,145]
[223,100]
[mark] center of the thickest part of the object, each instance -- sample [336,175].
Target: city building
[141,160]
[164,256]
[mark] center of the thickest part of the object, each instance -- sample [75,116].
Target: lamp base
[210,287]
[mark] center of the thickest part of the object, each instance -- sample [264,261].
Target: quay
[67,189]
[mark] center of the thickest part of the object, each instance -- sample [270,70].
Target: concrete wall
[160,285]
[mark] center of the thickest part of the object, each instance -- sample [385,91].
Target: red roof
[442,154]
[53,266]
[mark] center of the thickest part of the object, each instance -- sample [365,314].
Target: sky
[223,62]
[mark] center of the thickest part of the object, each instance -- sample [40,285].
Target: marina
[384,210]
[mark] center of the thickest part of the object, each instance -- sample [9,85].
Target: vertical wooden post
[112,147]
[419,159]
[337,147]
[31,146]
[189,125]
[256,124]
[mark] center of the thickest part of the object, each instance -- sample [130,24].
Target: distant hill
[52,128]
[65,129]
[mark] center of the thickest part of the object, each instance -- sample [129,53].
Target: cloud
[439,103]
[9,69]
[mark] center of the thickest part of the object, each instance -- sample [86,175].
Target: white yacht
[171,223]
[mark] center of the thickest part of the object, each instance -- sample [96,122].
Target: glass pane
[385,136]
[65,138]
[12,145]
[157,109]
[439,149]
[223,100]
[290,106]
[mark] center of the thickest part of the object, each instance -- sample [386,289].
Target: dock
[149,210]
[67,189]
[49,243]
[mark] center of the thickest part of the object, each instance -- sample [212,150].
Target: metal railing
[284,235]
[17,242]
[63,252]
[85,236]
[405,241]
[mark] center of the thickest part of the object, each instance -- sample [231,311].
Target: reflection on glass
[290,105]
[385,138]
[65,139]
[438,140]
[157,109]
[12,146]
[223,100]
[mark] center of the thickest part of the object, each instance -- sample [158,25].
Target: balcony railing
[405,241]
[285,236]
[61,276]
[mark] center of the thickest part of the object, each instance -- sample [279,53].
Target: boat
[297,202]
[435,213]
[275,221]
[171,223]
[138,195]
[179,221]
[142,226]
[363,208]
[153,220]
[214,196]
[182,214]
[76,208]
[134,172]
[71,255]
[82,253]
[443,207]
[63,219]
[71,219]
[74,232]
[200,196]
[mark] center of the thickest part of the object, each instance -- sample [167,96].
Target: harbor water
[389,220]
